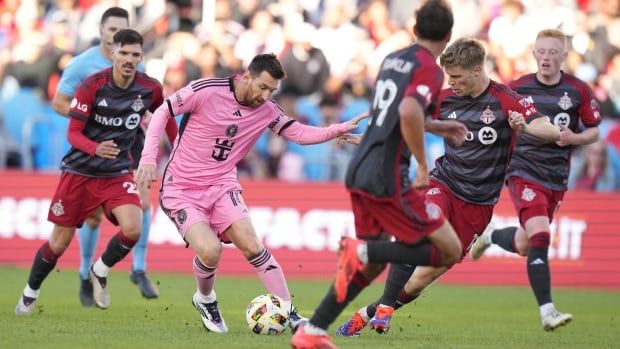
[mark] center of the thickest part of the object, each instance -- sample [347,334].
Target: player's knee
[146,205]
[93,221]
[132,230]
[209,255]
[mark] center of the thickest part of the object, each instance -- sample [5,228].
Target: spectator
[595,169]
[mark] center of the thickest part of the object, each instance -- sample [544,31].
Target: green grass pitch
[445,317]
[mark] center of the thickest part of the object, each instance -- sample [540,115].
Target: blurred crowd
[330,49]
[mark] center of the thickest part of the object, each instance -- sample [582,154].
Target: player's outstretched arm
[304,134]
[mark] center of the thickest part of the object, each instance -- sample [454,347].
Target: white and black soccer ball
[267,314]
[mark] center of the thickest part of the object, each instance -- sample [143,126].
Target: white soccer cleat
[481,244]
[210,315]
[101,296]
[554,319]
[25,305]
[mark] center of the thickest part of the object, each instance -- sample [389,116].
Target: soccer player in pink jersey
[222,120]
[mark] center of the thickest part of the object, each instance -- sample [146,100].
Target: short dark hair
[266,62]
[434,20]
[114,12]
[128,37]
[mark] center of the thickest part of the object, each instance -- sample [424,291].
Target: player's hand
[352,124]
[453,131]
[566,136]
[422,179]
[516,121]
[146,174]
[107,150]
[349,138]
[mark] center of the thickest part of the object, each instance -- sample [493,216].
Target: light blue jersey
[81,66]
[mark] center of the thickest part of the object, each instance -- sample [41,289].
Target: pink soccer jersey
[217,132]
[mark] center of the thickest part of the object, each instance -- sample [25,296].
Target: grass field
[446,317]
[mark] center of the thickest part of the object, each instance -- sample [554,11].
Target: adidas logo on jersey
[537,261]
[452,115]
[102,103]
[237,113]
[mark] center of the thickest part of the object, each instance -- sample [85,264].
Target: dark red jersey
[110,113]
[475,171]
[380,164]
[568,103]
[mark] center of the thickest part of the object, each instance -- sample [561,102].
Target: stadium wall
[302,222]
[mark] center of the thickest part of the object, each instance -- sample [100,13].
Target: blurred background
[330,49]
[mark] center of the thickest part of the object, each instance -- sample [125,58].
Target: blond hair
[552,33]
[464,52]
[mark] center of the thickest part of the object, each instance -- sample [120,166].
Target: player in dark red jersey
[384,200]
[467,180]
[538,171]
[105,117]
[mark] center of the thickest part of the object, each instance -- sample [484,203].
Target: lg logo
[486,135]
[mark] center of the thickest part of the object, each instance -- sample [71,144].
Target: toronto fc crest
[487,116]
[528,194]
[58,209]
[138,104]
[565,102]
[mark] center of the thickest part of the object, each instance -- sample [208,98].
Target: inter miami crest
[181,216]
[138,104]
[231,131]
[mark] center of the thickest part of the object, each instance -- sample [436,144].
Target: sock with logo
[118,247]
[44,262]
[204,275]
[505,238]
[270,274]
[538,267]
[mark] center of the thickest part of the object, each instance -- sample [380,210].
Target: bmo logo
[561,119]
[108,121]
[486,135]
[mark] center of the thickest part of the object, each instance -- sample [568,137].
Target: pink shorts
[78,196]
[219,206]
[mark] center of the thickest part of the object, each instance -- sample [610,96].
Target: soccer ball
[267,314]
